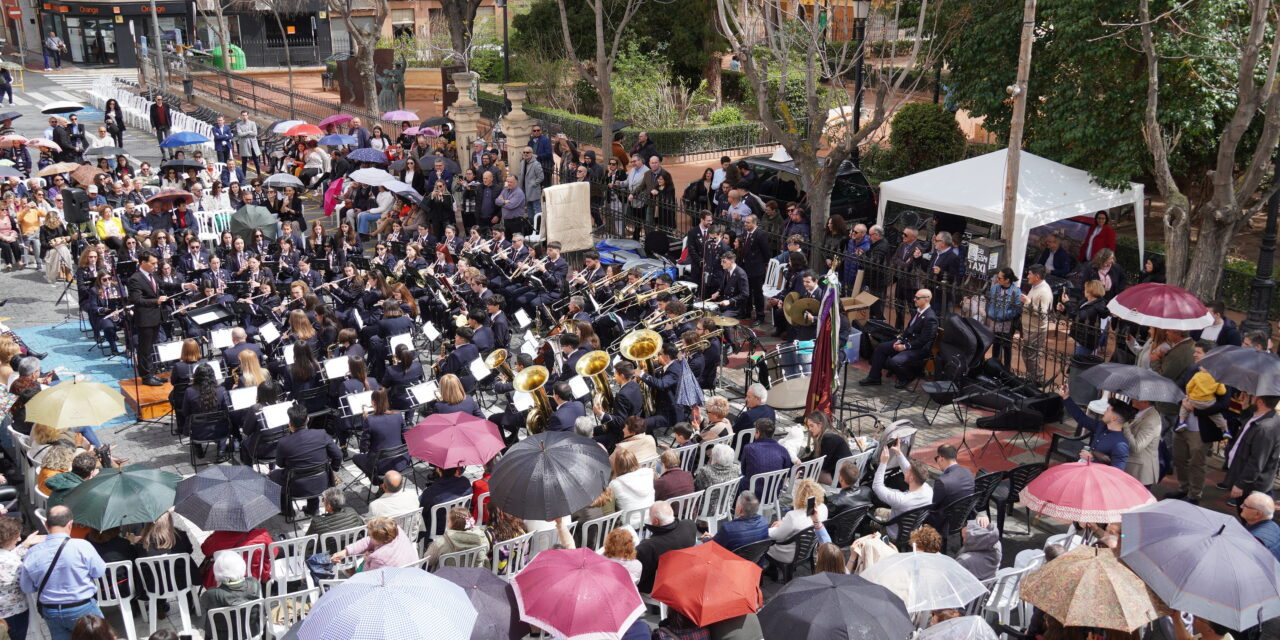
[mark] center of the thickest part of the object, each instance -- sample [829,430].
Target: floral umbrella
[1090,587]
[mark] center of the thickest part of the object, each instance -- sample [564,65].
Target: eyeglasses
[922,297]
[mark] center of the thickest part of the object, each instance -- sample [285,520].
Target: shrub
[925,135]
[734,86]
[727,114]
[488,63]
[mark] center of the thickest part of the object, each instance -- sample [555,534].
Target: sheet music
[216,363]
[204,318]
[335,368]
[358,403]
[424,392]
[578,385]
[480,370]
[359,321]
[244,397]
[522,400]
[522,318]
[269,333]
[276,415]
[288,357]
[169,351]
[402,339]
[220,339]
[530,348]
[429,329]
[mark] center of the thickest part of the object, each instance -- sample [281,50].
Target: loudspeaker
[873,333]
[75,205]
[1012,419]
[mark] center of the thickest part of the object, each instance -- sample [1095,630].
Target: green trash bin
[234,53]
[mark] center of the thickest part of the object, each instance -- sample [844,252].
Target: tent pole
[1014,157]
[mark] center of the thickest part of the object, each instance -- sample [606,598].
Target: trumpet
[528,264]
[607,281]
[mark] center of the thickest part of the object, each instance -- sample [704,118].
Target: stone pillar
[466,117]
[517,123]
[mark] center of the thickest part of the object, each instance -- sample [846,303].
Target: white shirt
[717,177]
[1231,454]
[394,504]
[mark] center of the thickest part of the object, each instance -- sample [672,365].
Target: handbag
[49,572]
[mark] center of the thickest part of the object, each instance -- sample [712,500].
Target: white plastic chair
[467,558]
[773,278]
[249,552]
[293,607]
[806,471]
[480,509]
[411,524]
[705,447]
[244,621]
[717,503]
[109,593]
[439,515]
[1006,595]
[518,552]
[168,573]
[289,562]
[597,529]
[742,439]
[688,506]
[770,485]
[340,540]
[858,460]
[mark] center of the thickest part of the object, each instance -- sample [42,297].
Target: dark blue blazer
[747,419]
[501,330]
[466,406]
[954,483]
[384,431]
[231,356]
[920,333]
[459,364]
[397,381]
[664,386]
[440,491]
[307,448]
[483,340]
[565,415]
[1063,261]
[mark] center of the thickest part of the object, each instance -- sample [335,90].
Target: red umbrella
[708,583]
[171,198]
[456,439]
[304,129]
[1159,305]
[1085,492]
[335,119]
[576,593]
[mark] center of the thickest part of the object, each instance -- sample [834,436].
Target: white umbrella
[61,106]
[926,581]
[962,628]
[286,125]
[372,177]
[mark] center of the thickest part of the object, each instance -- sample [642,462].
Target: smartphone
[811,505]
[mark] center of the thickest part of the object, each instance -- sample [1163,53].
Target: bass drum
[609,329]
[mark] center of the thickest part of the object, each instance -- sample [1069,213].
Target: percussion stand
[66,317]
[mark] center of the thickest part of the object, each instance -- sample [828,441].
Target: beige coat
[1143,435]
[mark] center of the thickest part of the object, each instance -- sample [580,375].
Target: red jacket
[220,540]
[1106,240]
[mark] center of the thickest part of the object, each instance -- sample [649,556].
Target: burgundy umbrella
[1159,305]
[171,197]
[337,118]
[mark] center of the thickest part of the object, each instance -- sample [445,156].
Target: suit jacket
[921,331]
[231,356]
[949,262]
[747,419]
[565,415]
[570,369]
[159,121]
[384,431]
[954,483]
[664,386]
[1254,459]
[1063,263]
[501,330]
[459,364]
[736,288]
[222,137]
[306,448]
[754,256]
[483,340]
[145,299]
[226,175]
[1143,435]
[710,364]
[396,380]
[188,263]
[628,401]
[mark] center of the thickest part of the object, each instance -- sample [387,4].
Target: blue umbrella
[405,604]
[337,140]
[182,139]
[1202,562]
[368,155]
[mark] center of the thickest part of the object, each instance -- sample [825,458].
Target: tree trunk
[712,75]
[1205,270]
[458,25]
[1177,235]
[369,76]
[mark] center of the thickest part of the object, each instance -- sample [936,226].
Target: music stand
[361,263]
[126,268]
[336,368]
[196,275]
[357,404]
[398,248]
[210,315]
[220,339]
[275,415]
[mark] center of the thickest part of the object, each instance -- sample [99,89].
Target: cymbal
[724,321]
[794,308]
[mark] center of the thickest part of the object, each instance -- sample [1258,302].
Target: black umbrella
[1249,370]
[428,163]
[10,115]
[182,164]
[227,498]
[103,152]
[252,218]
[617,126]
[1133,382]
[549,475]
[834,606]
[495,602]
[436,121]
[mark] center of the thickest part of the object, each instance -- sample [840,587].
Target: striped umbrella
[400,603]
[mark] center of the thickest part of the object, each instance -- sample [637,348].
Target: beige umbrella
[57,168]
[75,404]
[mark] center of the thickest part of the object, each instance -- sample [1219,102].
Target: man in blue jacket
[746,527]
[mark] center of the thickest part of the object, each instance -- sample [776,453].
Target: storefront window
[91,41]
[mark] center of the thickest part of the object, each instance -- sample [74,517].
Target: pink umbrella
[400,115]
[44,143]
[412,131]
[13,140]
[455,439]
[577,593]
[1085,492]
[304,129]
[338,118]
[331,196]
[430,132]
[1163,306]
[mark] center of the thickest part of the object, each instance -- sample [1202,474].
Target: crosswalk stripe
[36,98]
[68,95]
[20,101]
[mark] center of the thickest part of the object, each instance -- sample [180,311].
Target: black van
[851,198]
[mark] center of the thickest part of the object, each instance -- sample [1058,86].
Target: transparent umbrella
[926,581]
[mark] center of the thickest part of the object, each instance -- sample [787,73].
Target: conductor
[144,295]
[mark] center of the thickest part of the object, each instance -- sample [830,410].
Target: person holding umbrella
[1254,455]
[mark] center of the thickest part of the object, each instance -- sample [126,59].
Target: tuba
[532,380]
[641,347]
[593,366]
[497,361]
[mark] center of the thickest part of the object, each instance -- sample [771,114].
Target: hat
[93,188]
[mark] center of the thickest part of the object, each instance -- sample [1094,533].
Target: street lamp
[1263,285]
[506,56]
[861,11]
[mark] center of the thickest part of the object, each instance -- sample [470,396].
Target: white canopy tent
[1047,192]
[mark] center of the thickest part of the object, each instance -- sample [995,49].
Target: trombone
[688,316]
[702,343]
